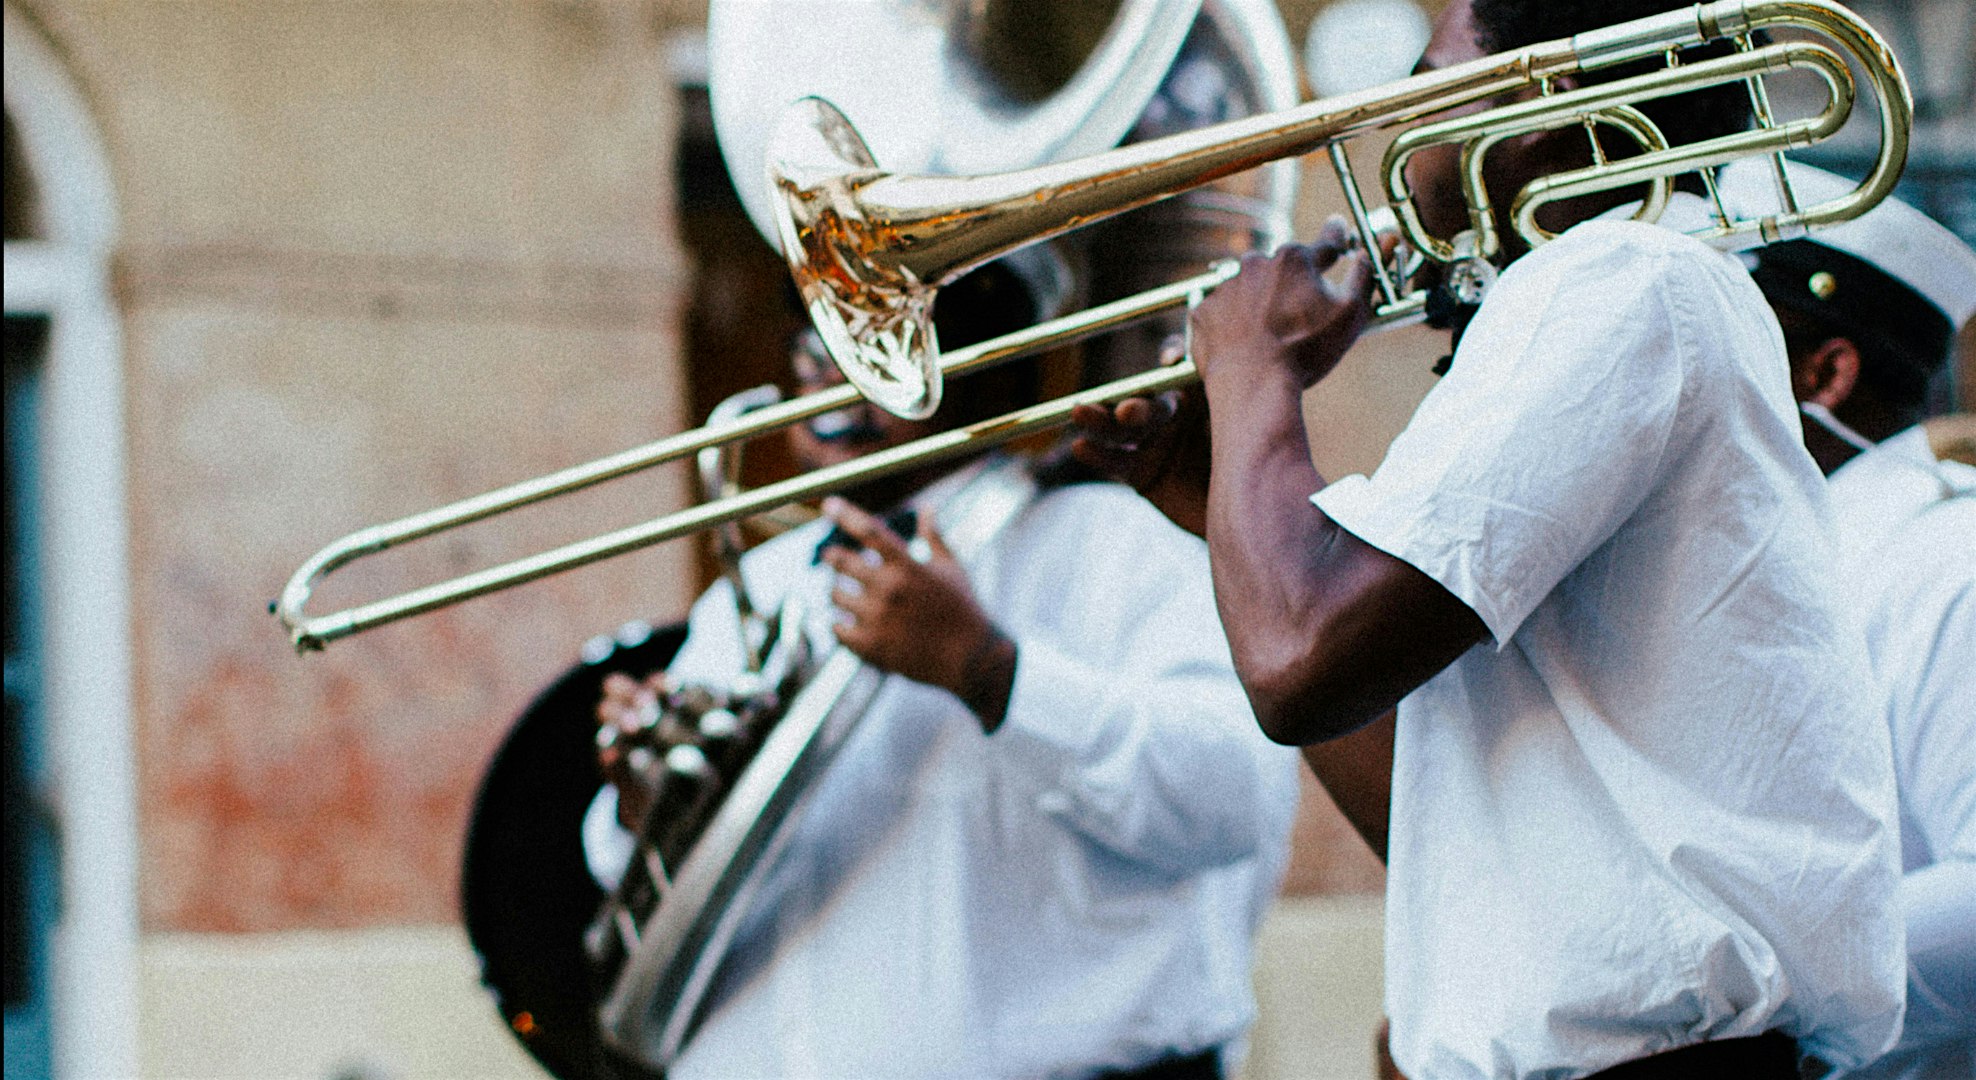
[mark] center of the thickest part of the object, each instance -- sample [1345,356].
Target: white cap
[1902,242]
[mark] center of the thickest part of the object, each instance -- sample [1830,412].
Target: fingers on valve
[860,565]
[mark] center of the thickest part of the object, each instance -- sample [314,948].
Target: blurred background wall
[278,270]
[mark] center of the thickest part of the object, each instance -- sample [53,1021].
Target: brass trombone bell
[870,249]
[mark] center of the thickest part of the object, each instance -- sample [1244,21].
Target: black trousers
[1769,1056]
[1205,1065]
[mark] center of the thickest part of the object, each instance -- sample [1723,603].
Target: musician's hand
[1158,446]
[919,619]
[1282,313]
[628,708]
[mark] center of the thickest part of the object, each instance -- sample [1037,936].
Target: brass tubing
[869,249]
[317,632]
[910,219]
[914,232]
[1893,101]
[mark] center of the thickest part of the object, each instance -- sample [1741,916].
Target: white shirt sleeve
[1549,430]
[1934,722]
[1132,713]
[1924,640]
[1940,904]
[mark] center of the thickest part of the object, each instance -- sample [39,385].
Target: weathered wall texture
[373,257]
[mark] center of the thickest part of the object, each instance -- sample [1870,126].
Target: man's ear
[1827,374]
[1545,153]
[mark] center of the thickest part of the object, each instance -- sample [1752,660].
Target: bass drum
[525,892]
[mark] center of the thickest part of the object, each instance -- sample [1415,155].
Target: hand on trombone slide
[917,617]
[1156,445]
[1291,314]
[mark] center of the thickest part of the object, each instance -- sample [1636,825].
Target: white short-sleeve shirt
[1074,893]
[1907,527]
[1657,808]
[1908,573]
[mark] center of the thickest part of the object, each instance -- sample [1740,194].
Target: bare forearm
[1357,772]
[1327,632]
[1269,549]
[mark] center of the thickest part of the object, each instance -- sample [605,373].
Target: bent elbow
[1299,702]
[1280,726]
[1292,707]
[1302,725]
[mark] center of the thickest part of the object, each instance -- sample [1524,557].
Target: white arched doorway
[57,273]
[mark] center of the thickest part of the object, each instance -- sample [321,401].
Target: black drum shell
[526,894]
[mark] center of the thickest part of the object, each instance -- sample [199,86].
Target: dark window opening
[27,862]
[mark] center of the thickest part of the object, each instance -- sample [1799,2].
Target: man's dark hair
[1886,372]
[1502,25]
[1902,338]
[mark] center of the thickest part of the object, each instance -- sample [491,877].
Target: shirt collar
[1881,488]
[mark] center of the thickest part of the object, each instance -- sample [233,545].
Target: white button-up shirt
[1657,808]
[1073,893]
[1907,531]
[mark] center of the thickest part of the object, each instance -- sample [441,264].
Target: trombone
[311,633]
[870,250]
